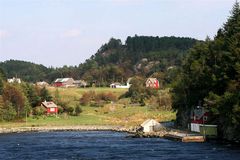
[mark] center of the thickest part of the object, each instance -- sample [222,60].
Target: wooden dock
[185,137]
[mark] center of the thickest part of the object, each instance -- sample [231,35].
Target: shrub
[38,111]
[87,97]
[9,112]
[60,110]
[70,110]
[78,110]
[97,100]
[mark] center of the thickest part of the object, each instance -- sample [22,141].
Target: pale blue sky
[67,32]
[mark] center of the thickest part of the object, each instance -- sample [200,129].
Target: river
[106,145]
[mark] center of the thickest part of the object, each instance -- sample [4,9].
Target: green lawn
[118,113]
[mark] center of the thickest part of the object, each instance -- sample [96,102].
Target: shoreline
[66,128]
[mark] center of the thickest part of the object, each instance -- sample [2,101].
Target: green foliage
[57,98]
[32,94]
[70,110]
[60,110]
[138,91]
[78,110]
[15,95]
[114,61]
[39,111]
[210,76]
[45,95]
[2,79]
[97,99]
[8,112]
[27,71]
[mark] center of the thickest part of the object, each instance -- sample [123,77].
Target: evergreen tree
[210,77]
[45,95]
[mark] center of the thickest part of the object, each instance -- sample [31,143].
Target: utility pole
[26,119]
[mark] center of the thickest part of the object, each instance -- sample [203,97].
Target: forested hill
[140,55]
[114,61]
[28,71]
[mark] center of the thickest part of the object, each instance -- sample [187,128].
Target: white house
[150,125]
[119,85]
[14,80]
[42,84]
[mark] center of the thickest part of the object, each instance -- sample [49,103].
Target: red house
[63,82]
[199,116]
[152,83]
[51,107]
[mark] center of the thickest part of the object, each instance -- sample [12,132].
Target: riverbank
[67,128]
[164,133]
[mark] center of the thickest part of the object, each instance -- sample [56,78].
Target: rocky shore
[66,128]
[133,133]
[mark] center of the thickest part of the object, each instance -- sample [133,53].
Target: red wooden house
[63,82]
[51,107]
[152,83]
[199,115]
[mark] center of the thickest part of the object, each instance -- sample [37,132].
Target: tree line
[114,61]
[210,77]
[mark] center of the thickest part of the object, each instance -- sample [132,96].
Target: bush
[60,110]
[103,98]
[87,97]
[78,110]
[97,100]
[9,113]
[70,110]
[38,111]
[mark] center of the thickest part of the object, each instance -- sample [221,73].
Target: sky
[67,32]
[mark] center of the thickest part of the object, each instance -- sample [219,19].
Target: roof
[62,80]
[49,104]
[151,122]
[152,80]
[116,83]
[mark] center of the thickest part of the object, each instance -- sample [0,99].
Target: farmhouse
[152,83]
[115,85]
[119,85]
[63,82]
[14,80]
[150,125]
[51,107]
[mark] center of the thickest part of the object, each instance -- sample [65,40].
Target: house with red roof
[51,107]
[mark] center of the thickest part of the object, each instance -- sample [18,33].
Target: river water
[106,145]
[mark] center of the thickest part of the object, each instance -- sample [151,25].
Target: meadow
[119,113]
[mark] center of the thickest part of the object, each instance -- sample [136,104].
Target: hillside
[114,61]
[27,71]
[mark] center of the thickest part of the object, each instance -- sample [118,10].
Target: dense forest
[210,77]
[114,61]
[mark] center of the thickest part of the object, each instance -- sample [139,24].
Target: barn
[63,82]
[152,83]
[51,107]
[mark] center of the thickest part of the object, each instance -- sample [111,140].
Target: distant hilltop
[113,62]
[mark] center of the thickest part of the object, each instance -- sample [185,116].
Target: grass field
[117,113]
